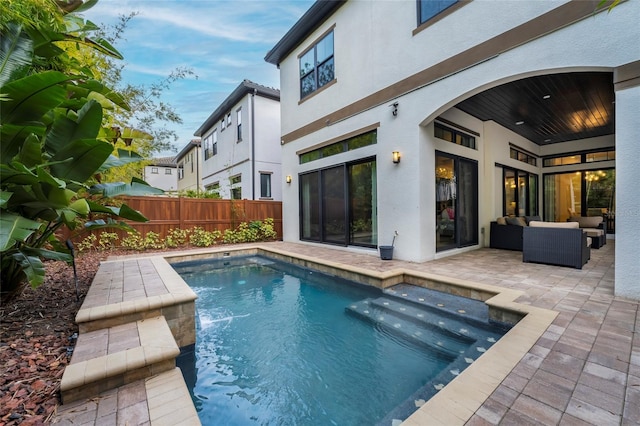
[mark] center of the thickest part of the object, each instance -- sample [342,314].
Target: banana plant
[54,146]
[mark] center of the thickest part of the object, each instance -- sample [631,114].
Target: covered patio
[584,370]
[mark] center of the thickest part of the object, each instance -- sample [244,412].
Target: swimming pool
[279,344]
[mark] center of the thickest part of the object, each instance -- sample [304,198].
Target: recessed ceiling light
[547,140]
[546,96]
[519,123]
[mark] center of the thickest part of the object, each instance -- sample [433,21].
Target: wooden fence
[166,213]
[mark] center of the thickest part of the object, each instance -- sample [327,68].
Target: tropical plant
[54,146]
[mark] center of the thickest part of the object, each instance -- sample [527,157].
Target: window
[229,119]
[265,185]
[208,147]
[215,186]
[581,193]
[236,193]
[214,147]
[180,171]
[223,124]
[338,205]
[154,170]
[520,193]
[427,9]
[167,171]
[316,66]
[235,179]
[350,144]
[578,158]
[520,155]
[239,125]
[453,136]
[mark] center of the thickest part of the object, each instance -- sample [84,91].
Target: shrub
[177,237]
[107,240]
[87,243]
[202,238]
[133,241]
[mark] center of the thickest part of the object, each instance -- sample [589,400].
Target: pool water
[281,345]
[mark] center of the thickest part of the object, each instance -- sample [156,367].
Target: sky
[223,42]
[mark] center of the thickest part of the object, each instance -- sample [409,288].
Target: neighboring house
[189,165]
[241,145]
[162,173]
[432,119]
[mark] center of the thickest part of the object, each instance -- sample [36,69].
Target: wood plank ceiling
[550,108]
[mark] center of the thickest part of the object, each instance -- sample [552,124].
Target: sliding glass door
[338,205]
[456,202]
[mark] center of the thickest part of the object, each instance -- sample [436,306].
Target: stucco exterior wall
[375,48]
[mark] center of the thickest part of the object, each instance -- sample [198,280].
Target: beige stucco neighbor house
[241,145]
[433,119]
[189,165]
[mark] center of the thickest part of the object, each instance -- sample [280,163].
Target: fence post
[181,210]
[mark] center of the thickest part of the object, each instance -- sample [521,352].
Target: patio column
[627,88]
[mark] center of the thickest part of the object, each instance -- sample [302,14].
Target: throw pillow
[513,221]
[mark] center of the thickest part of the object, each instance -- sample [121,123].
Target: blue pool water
[281,345]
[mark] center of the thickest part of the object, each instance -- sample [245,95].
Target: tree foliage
[56,142]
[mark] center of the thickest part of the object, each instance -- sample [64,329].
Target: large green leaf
[124,157]
[11,174]
[32,267]
[95,89]
[123,211]
[4,197]
[14,229]
[72,127]
[31,151]
[14,136]
[48,254]
[16,53]
[86,156]
[31,97]
[114,189]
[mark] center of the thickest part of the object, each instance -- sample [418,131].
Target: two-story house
[189,165]
[162,173]
[433,118]
[241,145]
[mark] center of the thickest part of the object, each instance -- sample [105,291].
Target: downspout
[253,146]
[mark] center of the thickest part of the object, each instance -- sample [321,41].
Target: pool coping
[462,397]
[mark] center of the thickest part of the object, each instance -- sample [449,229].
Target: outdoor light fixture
[394,109]
[288,178]
[395,157]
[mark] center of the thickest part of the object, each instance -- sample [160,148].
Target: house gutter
[253,145]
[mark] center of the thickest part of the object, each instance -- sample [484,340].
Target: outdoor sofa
[594,226]
[555,243]
[505,233]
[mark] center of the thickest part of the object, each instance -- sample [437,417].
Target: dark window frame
[314,70]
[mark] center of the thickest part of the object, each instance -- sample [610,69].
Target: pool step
[423,334]
[423,315]
[108,358]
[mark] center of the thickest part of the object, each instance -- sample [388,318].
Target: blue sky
[223,42]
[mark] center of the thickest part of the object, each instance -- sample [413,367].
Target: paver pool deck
[584,369]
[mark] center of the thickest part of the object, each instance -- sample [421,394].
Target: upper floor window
[180,171]
[223,124]
[427,9]
[154,170]
[208,147]
[229,119]
[239,121]
[349,144]
[167,171]
[316,66]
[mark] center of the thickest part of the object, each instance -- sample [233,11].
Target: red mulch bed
[37,335]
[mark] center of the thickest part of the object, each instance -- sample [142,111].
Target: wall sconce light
[394,109]
[288,178]
[395,156]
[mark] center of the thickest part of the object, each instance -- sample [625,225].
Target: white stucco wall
[162,180]
[368,59]
[628,197]
[235,157]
